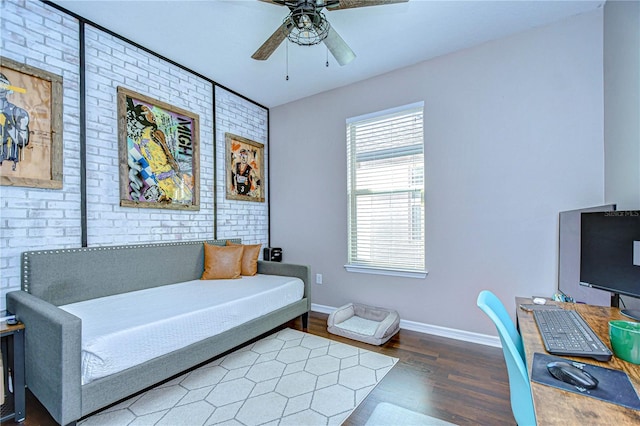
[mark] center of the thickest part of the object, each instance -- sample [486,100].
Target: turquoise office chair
[513,349]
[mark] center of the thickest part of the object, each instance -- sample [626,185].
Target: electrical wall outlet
[318,278]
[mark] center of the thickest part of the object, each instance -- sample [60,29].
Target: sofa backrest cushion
[64,276]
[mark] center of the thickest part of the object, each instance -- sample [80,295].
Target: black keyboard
[565,332]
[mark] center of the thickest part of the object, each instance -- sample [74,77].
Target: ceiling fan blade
[272,43]
[338,48]
[350,4]
[277,2]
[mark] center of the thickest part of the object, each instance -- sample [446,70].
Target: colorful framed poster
[30,126]
[159,153]
[244,169]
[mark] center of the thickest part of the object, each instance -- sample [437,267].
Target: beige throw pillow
[249,258]
[222,262]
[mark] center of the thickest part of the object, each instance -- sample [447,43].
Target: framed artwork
[159,154]
[30,126]
[244,169]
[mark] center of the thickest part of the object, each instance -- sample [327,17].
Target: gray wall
[622,108]
[622,103]
[513,136]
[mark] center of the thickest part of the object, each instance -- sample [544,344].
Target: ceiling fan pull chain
[287,56]
[327,63]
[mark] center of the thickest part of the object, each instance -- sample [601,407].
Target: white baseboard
[323,309]
[451,333]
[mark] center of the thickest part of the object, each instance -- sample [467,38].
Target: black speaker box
[272,254]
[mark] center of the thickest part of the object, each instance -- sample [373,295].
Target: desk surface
[10,328]
[556,406]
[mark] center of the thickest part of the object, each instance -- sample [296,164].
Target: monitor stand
[631,313]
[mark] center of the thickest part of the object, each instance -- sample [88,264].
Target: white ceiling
[216,38]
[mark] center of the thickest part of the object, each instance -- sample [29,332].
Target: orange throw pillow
[249,258]
[222,262]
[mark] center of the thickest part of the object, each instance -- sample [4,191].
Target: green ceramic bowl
[625,340]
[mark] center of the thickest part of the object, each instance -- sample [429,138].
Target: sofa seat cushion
[124,330]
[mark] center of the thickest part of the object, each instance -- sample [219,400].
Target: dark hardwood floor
[462,383]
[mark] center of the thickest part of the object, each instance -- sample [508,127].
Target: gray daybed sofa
[54,278]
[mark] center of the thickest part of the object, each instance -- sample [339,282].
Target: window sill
[380,271]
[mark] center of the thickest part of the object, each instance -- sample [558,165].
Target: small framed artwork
[159,153]
[30,126]
[244,169]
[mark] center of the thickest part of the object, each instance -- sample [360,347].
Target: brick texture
[33,218]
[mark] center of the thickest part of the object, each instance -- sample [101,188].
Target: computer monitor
[610,254]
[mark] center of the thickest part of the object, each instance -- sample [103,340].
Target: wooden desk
[556,406]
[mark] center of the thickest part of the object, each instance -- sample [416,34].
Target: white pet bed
[364,323]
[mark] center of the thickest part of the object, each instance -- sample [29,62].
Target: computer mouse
[571,374]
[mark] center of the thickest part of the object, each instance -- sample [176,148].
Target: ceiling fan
[306,25]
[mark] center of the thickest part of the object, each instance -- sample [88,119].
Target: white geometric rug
[288,378]
[386,414]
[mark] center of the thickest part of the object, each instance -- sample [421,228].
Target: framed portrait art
[244,169]
[30,126]
[159,153]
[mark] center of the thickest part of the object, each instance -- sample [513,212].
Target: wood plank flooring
[462,383]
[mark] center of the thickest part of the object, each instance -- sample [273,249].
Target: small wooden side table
[16,332]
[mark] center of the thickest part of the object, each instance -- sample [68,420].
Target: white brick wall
[111,62]
[32,218]
[242,219]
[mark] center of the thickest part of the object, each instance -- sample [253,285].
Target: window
[385,184]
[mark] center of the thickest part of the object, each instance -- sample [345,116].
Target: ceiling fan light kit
[310,27]
[306,25]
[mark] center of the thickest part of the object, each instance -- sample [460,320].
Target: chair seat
[364,323]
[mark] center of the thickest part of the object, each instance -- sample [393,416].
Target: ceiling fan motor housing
[311,26]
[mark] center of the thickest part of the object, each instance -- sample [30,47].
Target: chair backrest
[513,349]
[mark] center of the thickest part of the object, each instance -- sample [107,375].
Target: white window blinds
[385,185]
